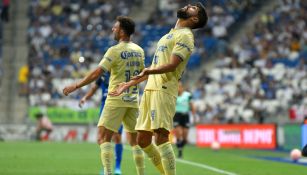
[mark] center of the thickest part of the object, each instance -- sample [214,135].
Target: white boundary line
[205,167]
[198,165]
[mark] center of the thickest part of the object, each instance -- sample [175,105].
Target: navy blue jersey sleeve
[98,82]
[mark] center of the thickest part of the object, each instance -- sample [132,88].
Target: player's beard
[116,36]
[183,13]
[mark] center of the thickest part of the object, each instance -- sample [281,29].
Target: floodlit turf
[32,158]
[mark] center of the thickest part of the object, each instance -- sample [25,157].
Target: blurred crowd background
[249,63]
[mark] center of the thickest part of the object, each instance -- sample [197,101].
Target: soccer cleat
[180,153]
[117,172]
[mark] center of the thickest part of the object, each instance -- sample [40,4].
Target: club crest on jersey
[170,36]
[153,115]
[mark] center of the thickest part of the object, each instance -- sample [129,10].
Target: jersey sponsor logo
[153,115]
[170,36]
[127,98]
[184,46]
[126,54]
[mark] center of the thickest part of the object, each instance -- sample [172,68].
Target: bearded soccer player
[158,103]
[123,61]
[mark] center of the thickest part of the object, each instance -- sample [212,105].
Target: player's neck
[181,24]
[180,93]
[124,39]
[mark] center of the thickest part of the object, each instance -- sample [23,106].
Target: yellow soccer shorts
[112,117]
[157,110]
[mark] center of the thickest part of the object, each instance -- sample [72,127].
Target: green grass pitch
[33,158]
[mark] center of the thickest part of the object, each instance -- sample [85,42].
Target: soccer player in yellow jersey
[158,103]
[123,61]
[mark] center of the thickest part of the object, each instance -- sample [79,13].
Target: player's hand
[69,89]
[144,72]
[81,102]
[120,88]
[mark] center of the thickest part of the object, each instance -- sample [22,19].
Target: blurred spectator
[44,127]
[5,10]
[23,80]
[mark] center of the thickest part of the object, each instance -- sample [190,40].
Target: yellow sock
[138,157]
[107,157]
[168,158]
[154,155]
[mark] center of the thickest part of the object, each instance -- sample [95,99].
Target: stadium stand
[222,15]
[1,40]
[62,31]
[59,33]
[1,73]
[264,75]
[4,12]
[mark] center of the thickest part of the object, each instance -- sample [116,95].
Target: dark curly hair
[127,24]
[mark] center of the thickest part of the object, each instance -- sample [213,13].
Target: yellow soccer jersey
[179,42]
[123,61]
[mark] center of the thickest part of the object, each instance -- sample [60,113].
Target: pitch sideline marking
[199,165]
[205,167]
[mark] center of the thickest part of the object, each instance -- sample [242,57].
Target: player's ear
[194,19]
[121,32]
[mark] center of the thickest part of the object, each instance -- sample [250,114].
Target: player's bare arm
[125,85]
[94,75]
[170,67]
[88,95]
